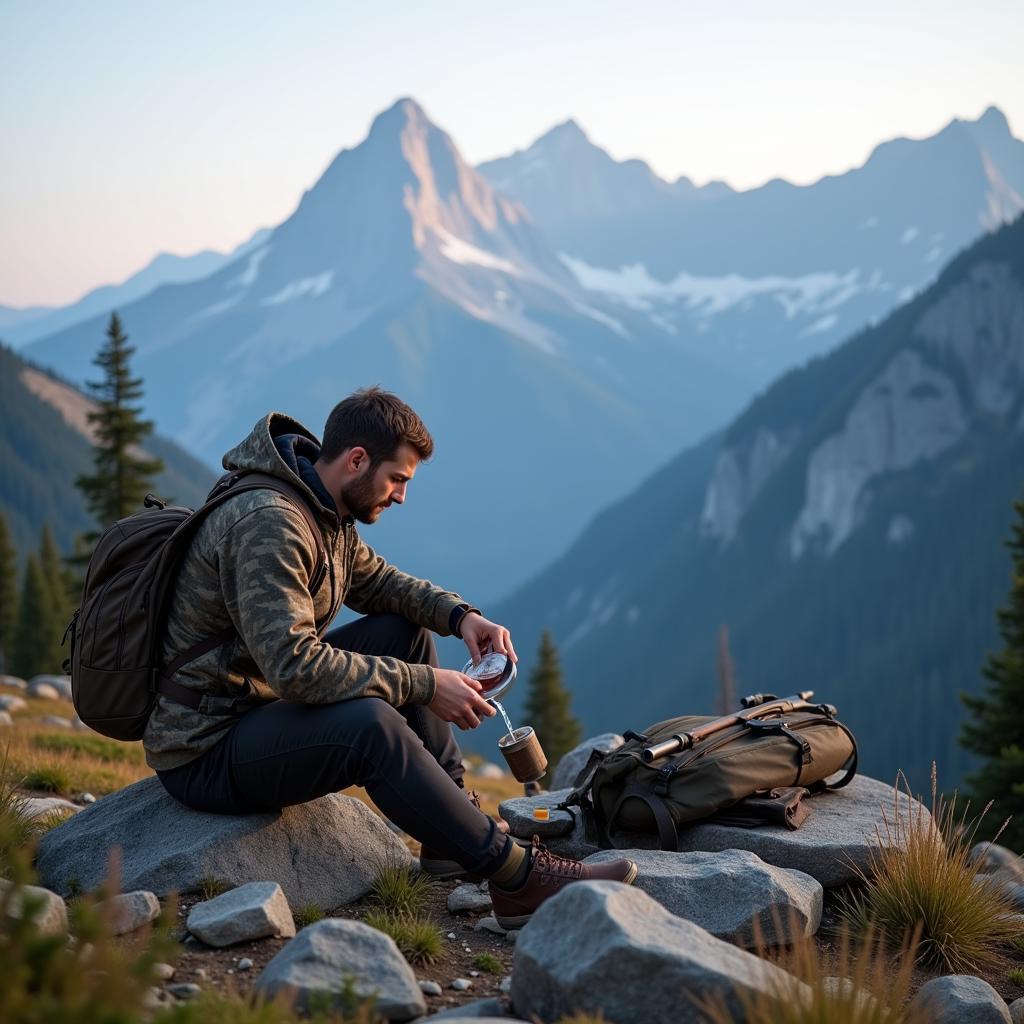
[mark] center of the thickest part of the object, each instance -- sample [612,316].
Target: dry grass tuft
[864,985]
[921,878]
[401,889]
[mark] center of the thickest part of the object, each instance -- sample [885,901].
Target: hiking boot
[435,864]
[549,873]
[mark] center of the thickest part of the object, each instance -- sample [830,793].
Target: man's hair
[378,421]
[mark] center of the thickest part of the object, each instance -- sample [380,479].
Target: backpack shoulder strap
[228,485]
[247,480]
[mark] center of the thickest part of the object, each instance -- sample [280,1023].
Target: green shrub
[1016,975]
[400,889]
[488,963]
[418,938]
[921,876]
[48,778]
[16,829]
[211,886]
[309,914]
[103,749]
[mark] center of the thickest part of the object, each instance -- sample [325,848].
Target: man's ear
[357,459]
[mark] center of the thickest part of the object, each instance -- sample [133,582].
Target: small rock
[13,682]
[12,702]
[1017,1011]
[468,898]
[843,989]
[88,798]
[1015,890]
[130,910]
[506,982]
[461,984]
[201,973]
[474,974]
[245,964]
[489,770]
[252,911]
[430,988]
[5,718]
[55,721]
[479,1011]
[78,725]
[992,859]
[43,691]
[489,924]
[184,990]
[573,763]
[961,999]
[163,971]
[154,998]
[60,684]
[309,968]
[35,807]
[511,938]
[451,935]
[51,913]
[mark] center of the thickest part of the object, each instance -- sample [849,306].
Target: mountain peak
[404,111]
[566,135]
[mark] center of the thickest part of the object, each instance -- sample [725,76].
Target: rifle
[758,705]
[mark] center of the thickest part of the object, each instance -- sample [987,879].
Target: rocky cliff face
[962,361]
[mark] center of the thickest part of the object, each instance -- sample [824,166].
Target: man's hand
[457,699]
[482,636]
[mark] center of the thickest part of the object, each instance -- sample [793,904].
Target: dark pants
[287,753]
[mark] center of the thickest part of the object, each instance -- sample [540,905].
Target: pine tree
[56,578]
[996,727]
[32,637]
[8,594]
[121,474]
[547,706]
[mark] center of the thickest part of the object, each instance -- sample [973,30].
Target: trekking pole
[760,709]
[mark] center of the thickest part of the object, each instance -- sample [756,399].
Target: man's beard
[359,499]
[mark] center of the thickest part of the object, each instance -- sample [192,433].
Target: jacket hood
[263,451]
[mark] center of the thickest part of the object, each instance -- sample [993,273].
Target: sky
[130,129]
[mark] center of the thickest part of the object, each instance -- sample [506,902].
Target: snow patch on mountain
[314,287]
[633,286]
[252,269]
[458,250]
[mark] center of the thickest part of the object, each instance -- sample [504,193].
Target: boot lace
[550,863]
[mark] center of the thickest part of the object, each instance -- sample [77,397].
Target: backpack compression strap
[229,485]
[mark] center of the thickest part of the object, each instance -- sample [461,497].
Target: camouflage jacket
[249,566]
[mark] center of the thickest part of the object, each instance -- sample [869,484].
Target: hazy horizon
[189,130]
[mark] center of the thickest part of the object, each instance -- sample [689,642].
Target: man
[363,704]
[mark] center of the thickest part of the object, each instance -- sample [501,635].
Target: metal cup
[523,753]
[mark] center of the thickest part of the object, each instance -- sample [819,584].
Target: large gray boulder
[1017,1011]
[313,968]
[14,682]
[572,763]
[731,895]
[255,910]
[961,999]
[834,842]
[12,702]
[324,853]
[592,947]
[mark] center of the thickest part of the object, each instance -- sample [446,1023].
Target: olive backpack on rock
[117,633]
[749,768]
